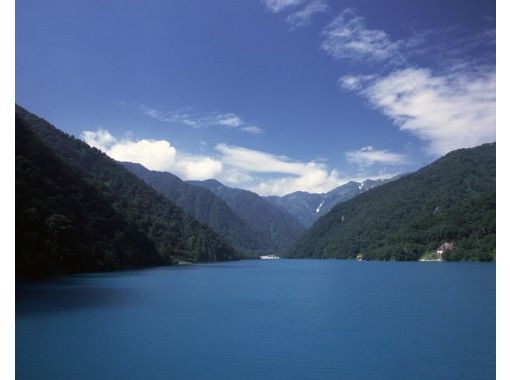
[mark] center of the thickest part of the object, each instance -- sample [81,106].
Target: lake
[275,319]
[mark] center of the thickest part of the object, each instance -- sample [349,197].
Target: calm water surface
[286,319]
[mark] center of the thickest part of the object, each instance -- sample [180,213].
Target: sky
[273,96]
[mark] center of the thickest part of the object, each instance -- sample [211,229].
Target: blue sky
[269,95]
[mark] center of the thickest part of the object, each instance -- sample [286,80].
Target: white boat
[269,257]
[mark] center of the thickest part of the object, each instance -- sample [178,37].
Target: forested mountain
[451,200]
[269,220]
[206,207]
[308,207]
[171,232]
[63,225]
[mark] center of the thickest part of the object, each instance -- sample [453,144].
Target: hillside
[451,200]
[206,207]
[174,234]
[270,221]
[63,225]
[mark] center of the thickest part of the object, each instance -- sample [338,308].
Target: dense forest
[270,221]
[207,208]
[451,200]
[78,210]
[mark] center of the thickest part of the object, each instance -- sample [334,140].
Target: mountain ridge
[452,199]
[308,207]
[271,221]
[175,235]
[206,207]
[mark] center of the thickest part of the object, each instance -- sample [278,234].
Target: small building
[446,246]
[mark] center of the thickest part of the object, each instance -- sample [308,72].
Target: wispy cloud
[347,37]
[279,5]
[368,156]
[229,120]
[303,16]
[257,161]
[449,111]
[295,175]
[450,106]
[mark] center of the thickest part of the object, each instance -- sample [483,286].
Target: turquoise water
[286,319]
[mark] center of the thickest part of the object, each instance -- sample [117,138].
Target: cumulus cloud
[99,139]
[347,36]
[449,111]
[229,120]
[262,172]
[303,16]
[279,5]
[368,156]
[154,155]
[197,167]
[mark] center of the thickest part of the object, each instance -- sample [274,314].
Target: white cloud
[298,176]
[262,172]
[314,180]
[368,155]
[256,161]
[235,177]
[155,155]
[229,120]
[251,129]
[449,111]
[278,5]
[354,82]
[303,16]
[348,37]
[197,167]
[98,139]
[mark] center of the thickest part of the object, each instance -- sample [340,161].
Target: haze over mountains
[78,210]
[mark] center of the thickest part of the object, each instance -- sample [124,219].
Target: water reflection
[51,296]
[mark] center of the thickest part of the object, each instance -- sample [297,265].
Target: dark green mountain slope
[206,207]
[452,199]
[174,234]
[271,221]
[63,225]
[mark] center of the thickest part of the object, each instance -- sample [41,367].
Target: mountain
[451,200]
[271,221]
[63,224]
[308,207]
[206,207]
[173,234]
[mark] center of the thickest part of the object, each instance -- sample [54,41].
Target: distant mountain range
[308,207]
[452,201]
[212,210]
[272,222]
